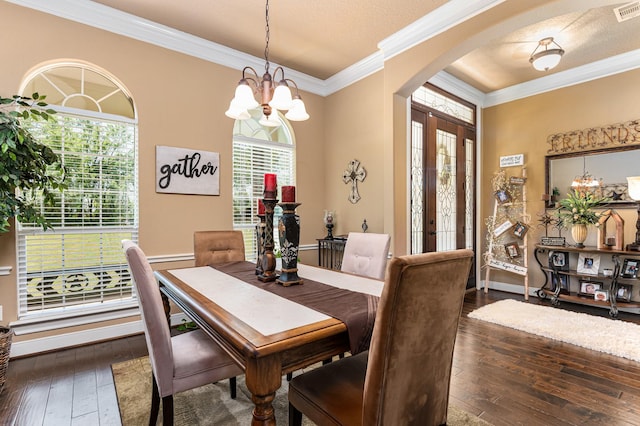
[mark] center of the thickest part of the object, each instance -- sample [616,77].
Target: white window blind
[252,158]
[80,264]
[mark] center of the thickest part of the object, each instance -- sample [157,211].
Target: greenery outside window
[79,267]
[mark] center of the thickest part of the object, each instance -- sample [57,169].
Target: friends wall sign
[187,171]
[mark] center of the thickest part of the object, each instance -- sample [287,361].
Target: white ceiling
[324,41]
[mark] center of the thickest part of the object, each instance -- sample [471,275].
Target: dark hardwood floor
[504,376]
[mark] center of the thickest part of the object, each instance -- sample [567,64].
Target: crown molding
[447,16]
[593,71]
[106,18]
[441,19]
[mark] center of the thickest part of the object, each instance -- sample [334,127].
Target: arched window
[79,268]
[258,150]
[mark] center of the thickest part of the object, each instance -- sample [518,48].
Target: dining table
[269,329]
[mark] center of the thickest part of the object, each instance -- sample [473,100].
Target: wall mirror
[611,166]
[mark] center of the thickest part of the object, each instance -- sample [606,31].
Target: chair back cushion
[215,247]
[411,352]
[156,329]
[366,254]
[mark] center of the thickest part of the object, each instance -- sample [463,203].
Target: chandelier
[546,58]
[586,182]
[273,94]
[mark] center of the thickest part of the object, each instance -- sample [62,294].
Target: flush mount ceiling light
[546,55]
[273,96]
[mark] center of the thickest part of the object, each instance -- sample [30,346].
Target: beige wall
[181,102]
[522,127]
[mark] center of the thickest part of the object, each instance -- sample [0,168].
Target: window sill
[37,323]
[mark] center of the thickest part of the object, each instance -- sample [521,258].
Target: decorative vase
[579,234]
[289,233]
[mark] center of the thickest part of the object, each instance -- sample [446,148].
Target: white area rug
[597,333]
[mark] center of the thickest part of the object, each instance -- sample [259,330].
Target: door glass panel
[417,188]
[468,189]
[445,191]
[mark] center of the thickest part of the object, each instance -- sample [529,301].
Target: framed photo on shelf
[588,264]
[623,293]
[588,288]
[601,295]
[512,250]
[564,283]
[502,196]
[519,229]
[630,268]
[559,260]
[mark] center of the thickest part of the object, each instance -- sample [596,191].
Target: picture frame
[519,229]
[630,268]
[601,295]
[564,283]
[588,287]
[502,228]
[559,260]
[512,250]
[502,196]
[588,264]
[623,293]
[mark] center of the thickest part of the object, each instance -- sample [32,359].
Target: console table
[618,287]
[330,252]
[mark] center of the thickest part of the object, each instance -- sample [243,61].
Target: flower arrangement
[578,207]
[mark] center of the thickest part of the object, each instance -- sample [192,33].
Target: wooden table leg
[263,377]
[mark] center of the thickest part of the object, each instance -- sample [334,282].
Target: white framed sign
[187,171]
[512,160]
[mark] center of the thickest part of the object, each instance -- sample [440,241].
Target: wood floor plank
[504,376]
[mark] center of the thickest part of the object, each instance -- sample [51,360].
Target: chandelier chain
[266,48]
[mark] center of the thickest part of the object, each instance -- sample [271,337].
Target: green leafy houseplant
[27,167]
[577,208]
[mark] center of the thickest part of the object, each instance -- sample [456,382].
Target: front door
[442,182]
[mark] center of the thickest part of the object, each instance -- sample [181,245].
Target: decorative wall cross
[353,174]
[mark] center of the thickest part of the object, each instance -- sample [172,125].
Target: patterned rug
[211,404]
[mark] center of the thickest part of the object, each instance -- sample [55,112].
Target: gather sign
[187,171]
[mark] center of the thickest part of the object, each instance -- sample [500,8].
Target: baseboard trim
[84,337]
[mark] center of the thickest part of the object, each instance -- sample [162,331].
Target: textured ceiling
[318,38]
[321,38]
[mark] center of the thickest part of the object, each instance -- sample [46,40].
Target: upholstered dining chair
[404,377]
[179,363]
[215,247]
[366,254]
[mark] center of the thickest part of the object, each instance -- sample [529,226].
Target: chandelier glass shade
[586,182]
[272,96]
[546,55]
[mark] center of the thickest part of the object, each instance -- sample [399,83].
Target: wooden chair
[178,363]
[404,377]
[215,247]
[366,254]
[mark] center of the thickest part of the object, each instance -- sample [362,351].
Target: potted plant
[577,210]
[27,166]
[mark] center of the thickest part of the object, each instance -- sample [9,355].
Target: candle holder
[289,233]
[328,223]
[268,258]
[260,229]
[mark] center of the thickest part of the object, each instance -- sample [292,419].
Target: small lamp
[634,193]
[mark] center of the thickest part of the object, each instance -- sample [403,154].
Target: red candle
[260,206]
[288,194]
[270,182]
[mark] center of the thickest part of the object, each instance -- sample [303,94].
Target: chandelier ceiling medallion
[272,96]
[545,56]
